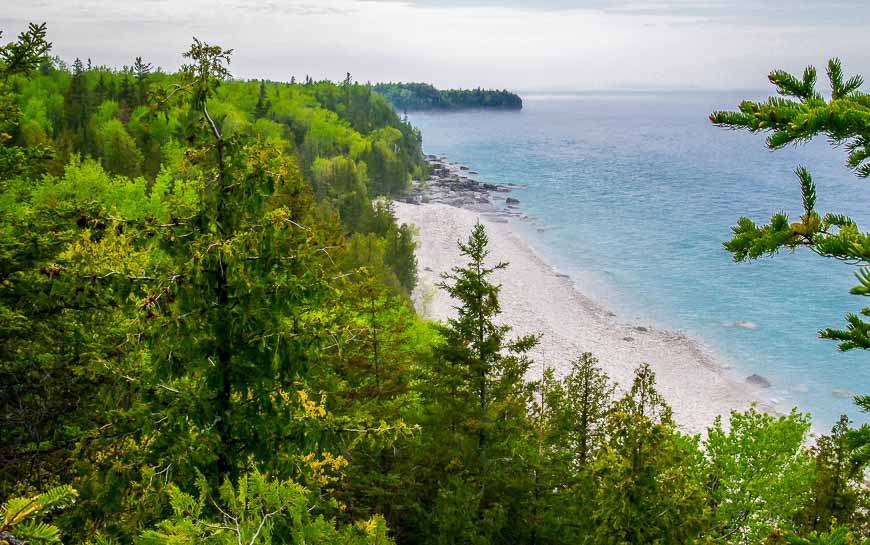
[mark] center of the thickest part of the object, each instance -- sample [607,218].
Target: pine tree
[477,403]
[799,115]
[263,106]
[837,492]
[141,71]
[644,476]
[225,320]
[570,416]
[77,107]
[19,58]
[17,517]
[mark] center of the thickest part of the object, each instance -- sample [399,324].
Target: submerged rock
[511,200]
[743,324]
[758,380]
[843,393]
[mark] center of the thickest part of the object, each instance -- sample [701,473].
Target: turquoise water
[633,194]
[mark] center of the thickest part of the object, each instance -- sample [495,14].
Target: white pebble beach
[534,299]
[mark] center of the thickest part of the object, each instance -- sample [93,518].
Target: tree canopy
[422,96]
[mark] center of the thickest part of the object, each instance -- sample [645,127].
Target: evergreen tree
[476,401]
[799,115]
[646,491]
[837,492]
[262,107]
[77,106]
[20,58]
[141,71]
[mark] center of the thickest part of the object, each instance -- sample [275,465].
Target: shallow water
[632,194]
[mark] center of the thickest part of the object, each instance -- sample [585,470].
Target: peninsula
[423,96]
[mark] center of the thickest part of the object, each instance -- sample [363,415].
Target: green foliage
[645,474]
[837,493]
[255,511]
[758,474]
[18,516]
[19,58]
[422,96]
[195,318]
[843,119]
[475,402]
[837,536]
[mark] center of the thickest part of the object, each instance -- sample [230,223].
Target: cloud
[542,45]
[756,12]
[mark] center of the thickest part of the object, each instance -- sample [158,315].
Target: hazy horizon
[546,46]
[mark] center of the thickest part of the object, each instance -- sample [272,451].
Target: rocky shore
[454,184]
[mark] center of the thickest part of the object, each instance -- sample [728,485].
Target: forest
[206,336]
[422,97]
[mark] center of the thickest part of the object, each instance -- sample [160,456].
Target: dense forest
[206,336]
[422,96]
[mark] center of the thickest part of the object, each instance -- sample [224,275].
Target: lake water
[632,194]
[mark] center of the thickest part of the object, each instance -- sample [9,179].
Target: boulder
[758,380]
[512,201]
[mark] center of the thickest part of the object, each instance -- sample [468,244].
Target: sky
[547,45]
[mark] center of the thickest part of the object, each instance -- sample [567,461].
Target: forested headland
[206,336]
[422,97]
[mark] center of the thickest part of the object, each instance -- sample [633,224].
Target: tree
[18,524]
[256,511]
[118,150]
[757,474]
[800,117]
[646,490]
[78,107]
[225,294]
[476,404]
[588,397]
[262,107]
[569,417]
[141,71]
[837,493]
[18,58]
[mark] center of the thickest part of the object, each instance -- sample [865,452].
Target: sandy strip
[537,300]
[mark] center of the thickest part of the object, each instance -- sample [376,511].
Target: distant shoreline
[697,385]
[423,97]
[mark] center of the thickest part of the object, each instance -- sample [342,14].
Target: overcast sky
[542,45]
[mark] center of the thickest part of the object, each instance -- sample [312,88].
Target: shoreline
[536,298]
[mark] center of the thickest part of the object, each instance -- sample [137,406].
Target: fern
[19,516]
